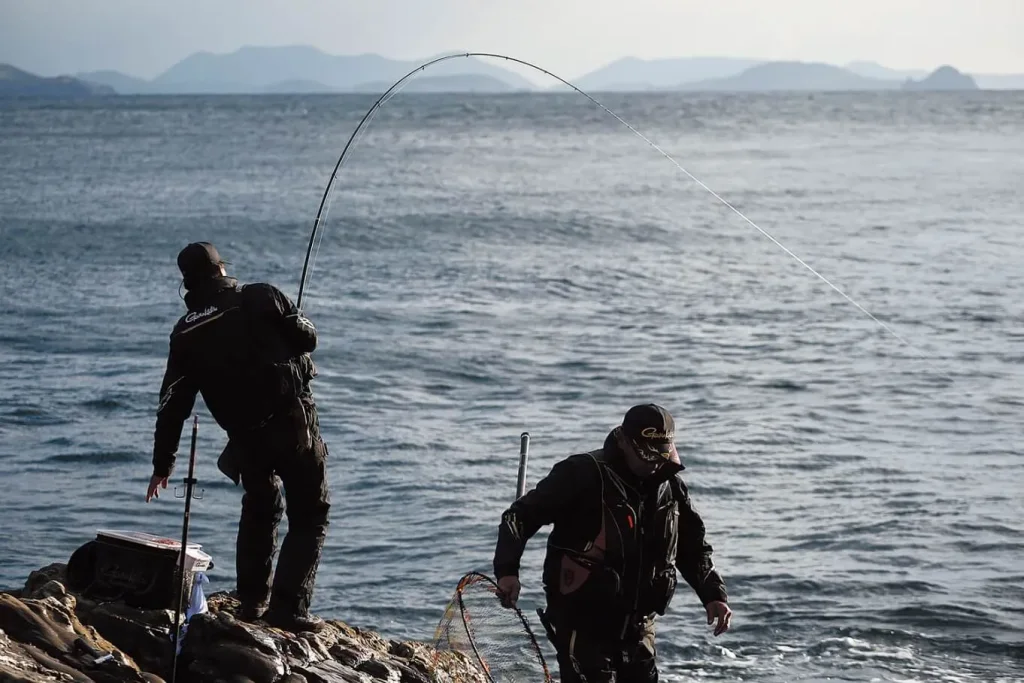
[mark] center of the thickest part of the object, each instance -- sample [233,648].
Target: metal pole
[524,454]
[190,482]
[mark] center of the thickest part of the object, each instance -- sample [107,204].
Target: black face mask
[642,464]
[652,452]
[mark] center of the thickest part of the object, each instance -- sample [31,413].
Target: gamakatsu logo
[199,315]
[653,433]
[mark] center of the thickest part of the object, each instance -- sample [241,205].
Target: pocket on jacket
[571,575]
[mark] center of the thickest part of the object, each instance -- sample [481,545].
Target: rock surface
[49,634]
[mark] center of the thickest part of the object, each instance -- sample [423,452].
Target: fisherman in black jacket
[623,524]
[246,349]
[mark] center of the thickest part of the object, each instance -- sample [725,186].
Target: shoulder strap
[597,457]
[599,543]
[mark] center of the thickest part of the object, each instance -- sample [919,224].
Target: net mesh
[496,642]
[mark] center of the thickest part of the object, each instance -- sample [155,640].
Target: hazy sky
[569,37]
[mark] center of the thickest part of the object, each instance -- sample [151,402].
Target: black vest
[625,572]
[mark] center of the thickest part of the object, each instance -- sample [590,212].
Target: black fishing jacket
[616,542]
[243,347]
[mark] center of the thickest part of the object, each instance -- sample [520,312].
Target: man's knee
[262,512]
[308,494]
[315,515]
[309,506]
[263,502]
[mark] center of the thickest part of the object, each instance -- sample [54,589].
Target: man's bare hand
[508,586]
[157,482]
[720,611]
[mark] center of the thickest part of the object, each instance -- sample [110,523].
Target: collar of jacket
[197,299]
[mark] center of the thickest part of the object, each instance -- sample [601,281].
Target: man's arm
[693,555]
[553,494]
[177,398]
[297,330]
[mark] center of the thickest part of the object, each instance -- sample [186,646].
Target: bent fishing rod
[397,86]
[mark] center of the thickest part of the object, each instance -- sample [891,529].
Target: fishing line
[396,87]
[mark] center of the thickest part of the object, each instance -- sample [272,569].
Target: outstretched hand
[508,589]
[720,611]
[157,482]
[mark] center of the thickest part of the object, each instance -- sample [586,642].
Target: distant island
[303,70]
[720,74]
[791,76]
[816,77]
[467,83]
[17,83]
[943,78]
[631,74]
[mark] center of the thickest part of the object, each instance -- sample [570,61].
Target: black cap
[199,260]
[652,430]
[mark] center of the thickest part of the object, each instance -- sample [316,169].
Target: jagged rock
[334,672]
[18,666]
[142,634]
[380,671]
[40,577]
[240,660]
[49,634]
[408,674]
[347,655]
[404,650]
[61,647]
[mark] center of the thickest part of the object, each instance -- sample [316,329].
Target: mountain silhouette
[262,69]
[775,76]
[943,78]
[17,83]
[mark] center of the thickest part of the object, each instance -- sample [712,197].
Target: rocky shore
[50,634]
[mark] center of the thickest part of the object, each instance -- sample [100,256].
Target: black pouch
[295,374]
[584,580]
[663,588]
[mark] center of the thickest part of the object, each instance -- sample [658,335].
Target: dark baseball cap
[652,431]
[199,259]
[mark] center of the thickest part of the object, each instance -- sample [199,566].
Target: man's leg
[582,658]
[638,662]
[262,509]
[308,499]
